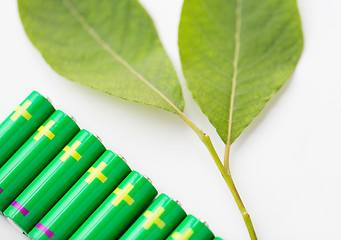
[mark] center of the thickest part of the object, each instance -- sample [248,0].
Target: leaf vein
[234,80]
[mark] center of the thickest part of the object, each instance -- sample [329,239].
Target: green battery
[82,199]
[119,210]
[217,238]
[22,123]
[55,180]
[191,228]
[34,155]
[158,221]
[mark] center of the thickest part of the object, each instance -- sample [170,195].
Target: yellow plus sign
[154,218]
[45,131]
[22,111]
[71,151]
[96,173]
[122,194]
[185,236]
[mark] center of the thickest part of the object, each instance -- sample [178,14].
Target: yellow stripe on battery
[22,111]
[45,131]
[183,236]
[154,218]
[96,173]
[71,151]
[123,194]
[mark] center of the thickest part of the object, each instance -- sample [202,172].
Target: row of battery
[48,190]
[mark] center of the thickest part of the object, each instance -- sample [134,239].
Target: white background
[286,164]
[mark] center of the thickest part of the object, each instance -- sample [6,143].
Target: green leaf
[236,54]
[111,45]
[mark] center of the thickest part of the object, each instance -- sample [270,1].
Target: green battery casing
[34,155]
[158,221]
[55,180]
[82,199]
[119,210]
[217,238]
[22,123]
[191,228]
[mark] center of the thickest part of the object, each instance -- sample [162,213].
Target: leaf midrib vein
[234,80]
[86,26]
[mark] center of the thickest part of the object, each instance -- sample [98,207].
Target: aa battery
[158,221]
[82,199]
[22,123]
[119,210]
[55,180]
[191,228]
[34,155]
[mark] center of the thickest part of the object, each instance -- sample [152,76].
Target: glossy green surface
[56,179]
[34,155]
[20,125]
[217,238]
[158,221]
[191,228]
[83,198]
[119,210]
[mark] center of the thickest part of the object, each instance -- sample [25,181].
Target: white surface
[286,164]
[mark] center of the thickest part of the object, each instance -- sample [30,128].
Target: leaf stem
[225,174]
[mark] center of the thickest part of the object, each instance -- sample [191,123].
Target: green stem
[226,175]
